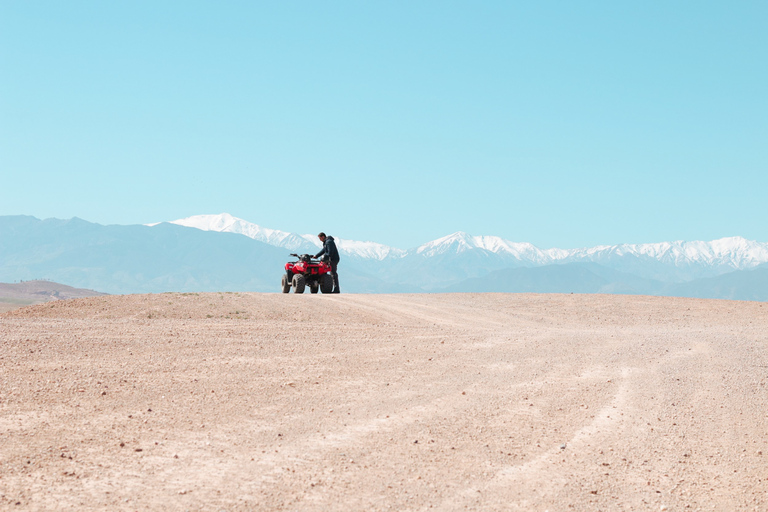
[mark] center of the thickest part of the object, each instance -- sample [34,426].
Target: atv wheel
[313,287]
[298,283]
[286,284]
[326,283]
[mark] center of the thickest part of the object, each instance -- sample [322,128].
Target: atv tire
[286,284]
[299,283]
[326,283]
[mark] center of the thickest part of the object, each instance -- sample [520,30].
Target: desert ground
[227,401]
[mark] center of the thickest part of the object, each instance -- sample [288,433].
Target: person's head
[321,236]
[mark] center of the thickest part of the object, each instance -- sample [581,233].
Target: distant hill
[564,278]
[44,290]
[594,278]
[739,285]
[13,295]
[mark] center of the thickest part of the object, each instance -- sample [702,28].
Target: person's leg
[335,276]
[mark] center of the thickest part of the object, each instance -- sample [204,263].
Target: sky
[562,124]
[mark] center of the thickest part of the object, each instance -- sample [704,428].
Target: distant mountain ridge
[725,254]
[223,253]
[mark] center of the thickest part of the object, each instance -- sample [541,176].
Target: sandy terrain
[375,402]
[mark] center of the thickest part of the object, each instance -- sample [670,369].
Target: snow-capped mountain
[735,253]
[366,250]
[690,259]
[199,254]
[678,261]
[225,222]
[460,242]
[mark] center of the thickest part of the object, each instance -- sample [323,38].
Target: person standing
[329,249]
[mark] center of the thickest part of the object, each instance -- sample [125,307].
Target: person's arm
[322,251]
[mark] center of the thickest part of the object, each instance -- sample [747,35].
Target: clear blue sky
[563,124]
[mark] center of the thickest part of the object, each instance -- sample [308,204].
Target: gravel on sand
[240,401]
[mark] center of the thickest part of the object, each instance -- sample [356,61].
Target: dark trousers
[335,276]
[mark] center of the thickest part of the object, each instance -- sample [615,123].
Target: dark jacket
[329,248]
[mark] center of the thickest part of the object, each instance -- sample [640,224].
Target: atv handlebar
[308,257]
[303,256]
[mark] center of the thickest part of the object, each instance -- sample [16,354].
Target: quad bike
[307,272]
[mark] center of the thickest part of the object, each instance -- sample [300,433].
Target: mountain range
[224,253]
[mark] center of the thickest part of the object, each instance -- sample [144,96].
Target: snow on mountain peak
[371,250]
[220,222]
[734,252]
[456,242]
[460,242]
[225,222]
[366,250]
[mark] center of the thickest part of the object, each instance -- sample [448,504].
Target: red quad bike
[307,271]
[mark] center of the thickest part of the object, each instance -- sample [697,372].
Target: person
[329,249]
